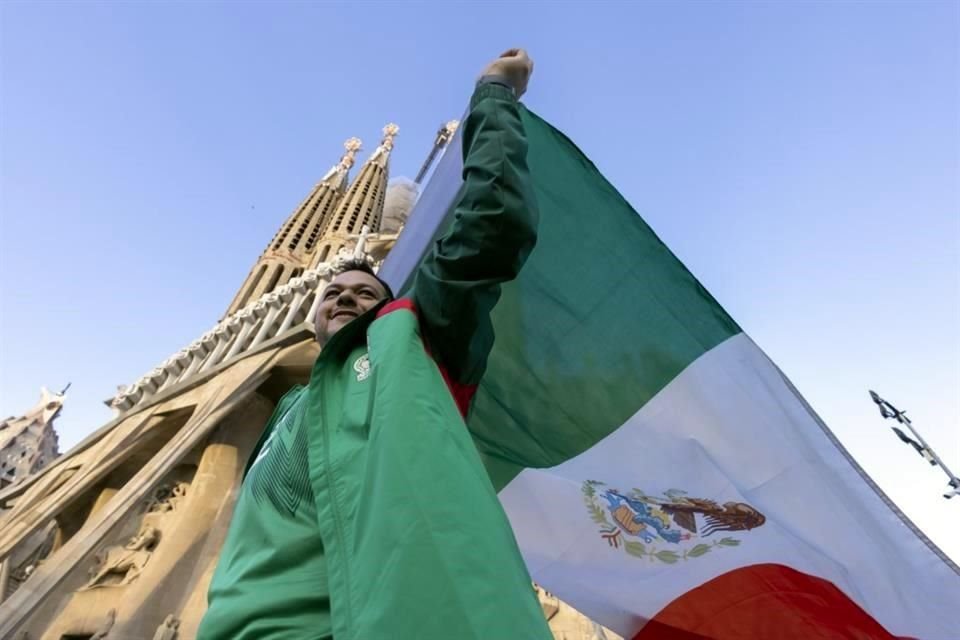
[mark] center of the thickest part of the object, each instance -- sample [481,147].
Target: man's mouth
[350,314]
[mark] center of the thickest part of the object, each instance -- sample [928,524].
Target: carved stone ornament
[168,628]
[378,245]
[389,133]
[120,565]
[344,255]
[104,629]
[166,498]
[353,145]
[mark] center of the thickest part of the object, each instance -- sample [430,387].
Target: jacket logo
[638,523]
[362,367]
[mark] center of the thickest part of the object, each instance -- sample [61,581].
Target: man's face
[345,298]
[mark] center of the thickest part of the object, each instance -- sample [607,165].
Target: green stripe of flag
[602,317]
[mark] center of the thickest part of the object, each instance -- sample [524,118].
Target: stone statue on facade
[120,565]
[378,245]
[165,498]
[167,629]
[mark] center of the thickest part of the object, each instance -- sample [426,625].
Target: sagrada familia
[118,538]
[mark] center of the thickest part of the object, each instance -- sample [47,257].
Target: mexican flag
[661,474]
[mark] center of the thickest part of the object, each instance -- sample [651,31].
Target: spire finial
[352,145]
[389,133]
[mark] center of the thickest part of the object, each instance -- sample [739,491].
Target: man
[366,512]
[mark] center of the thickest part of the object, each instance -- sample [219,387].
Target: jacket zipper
[328,423]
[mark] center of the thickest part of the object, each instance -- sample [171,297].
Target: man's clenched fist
[515,66]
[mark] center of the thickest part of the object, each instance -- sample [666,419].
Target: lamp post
[887,410]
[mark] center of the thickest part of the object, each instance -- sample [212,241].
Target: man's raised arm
[494,226]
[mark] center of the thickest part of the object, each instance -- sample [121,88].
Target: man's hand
[515,66]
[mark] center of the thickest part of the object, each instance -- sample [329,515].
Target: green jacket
[402,534]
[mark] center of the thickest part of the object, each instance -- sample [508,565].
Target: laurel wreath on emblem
[671,519]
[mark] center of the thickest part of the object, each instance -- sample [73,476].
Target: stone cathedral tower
[295,244]
[29,442]
[119,537]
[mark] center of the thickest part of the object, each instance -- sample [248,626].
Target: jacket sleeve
[492,233]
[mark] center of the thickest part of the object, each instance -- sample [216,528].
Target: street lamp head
[886,409]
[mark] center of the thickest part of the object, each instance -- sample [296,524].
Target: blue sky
[801,158]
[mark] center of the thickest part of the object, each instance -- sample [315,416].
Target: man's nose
[346,298]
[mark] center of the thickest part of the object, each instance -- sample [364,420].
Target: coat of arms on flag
[673,518]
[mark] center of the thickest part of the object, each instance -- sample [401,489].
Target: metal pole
[444,135]
[887,410]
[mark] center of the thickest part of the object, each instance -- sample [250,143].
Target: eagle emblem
[666,528]
[362,367]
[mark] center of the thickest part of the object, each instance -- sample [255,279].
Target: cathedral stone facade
[29,442]
[118,538]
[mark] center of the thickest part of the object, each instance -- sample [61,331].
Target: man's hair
[357,264]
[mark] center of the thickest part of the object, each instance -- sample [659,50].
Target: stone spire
[29,442]
[298,235]
[363,203]
[295,245]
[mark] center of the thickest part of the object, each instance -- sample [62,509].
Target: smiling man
[366,512]
[353,292]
